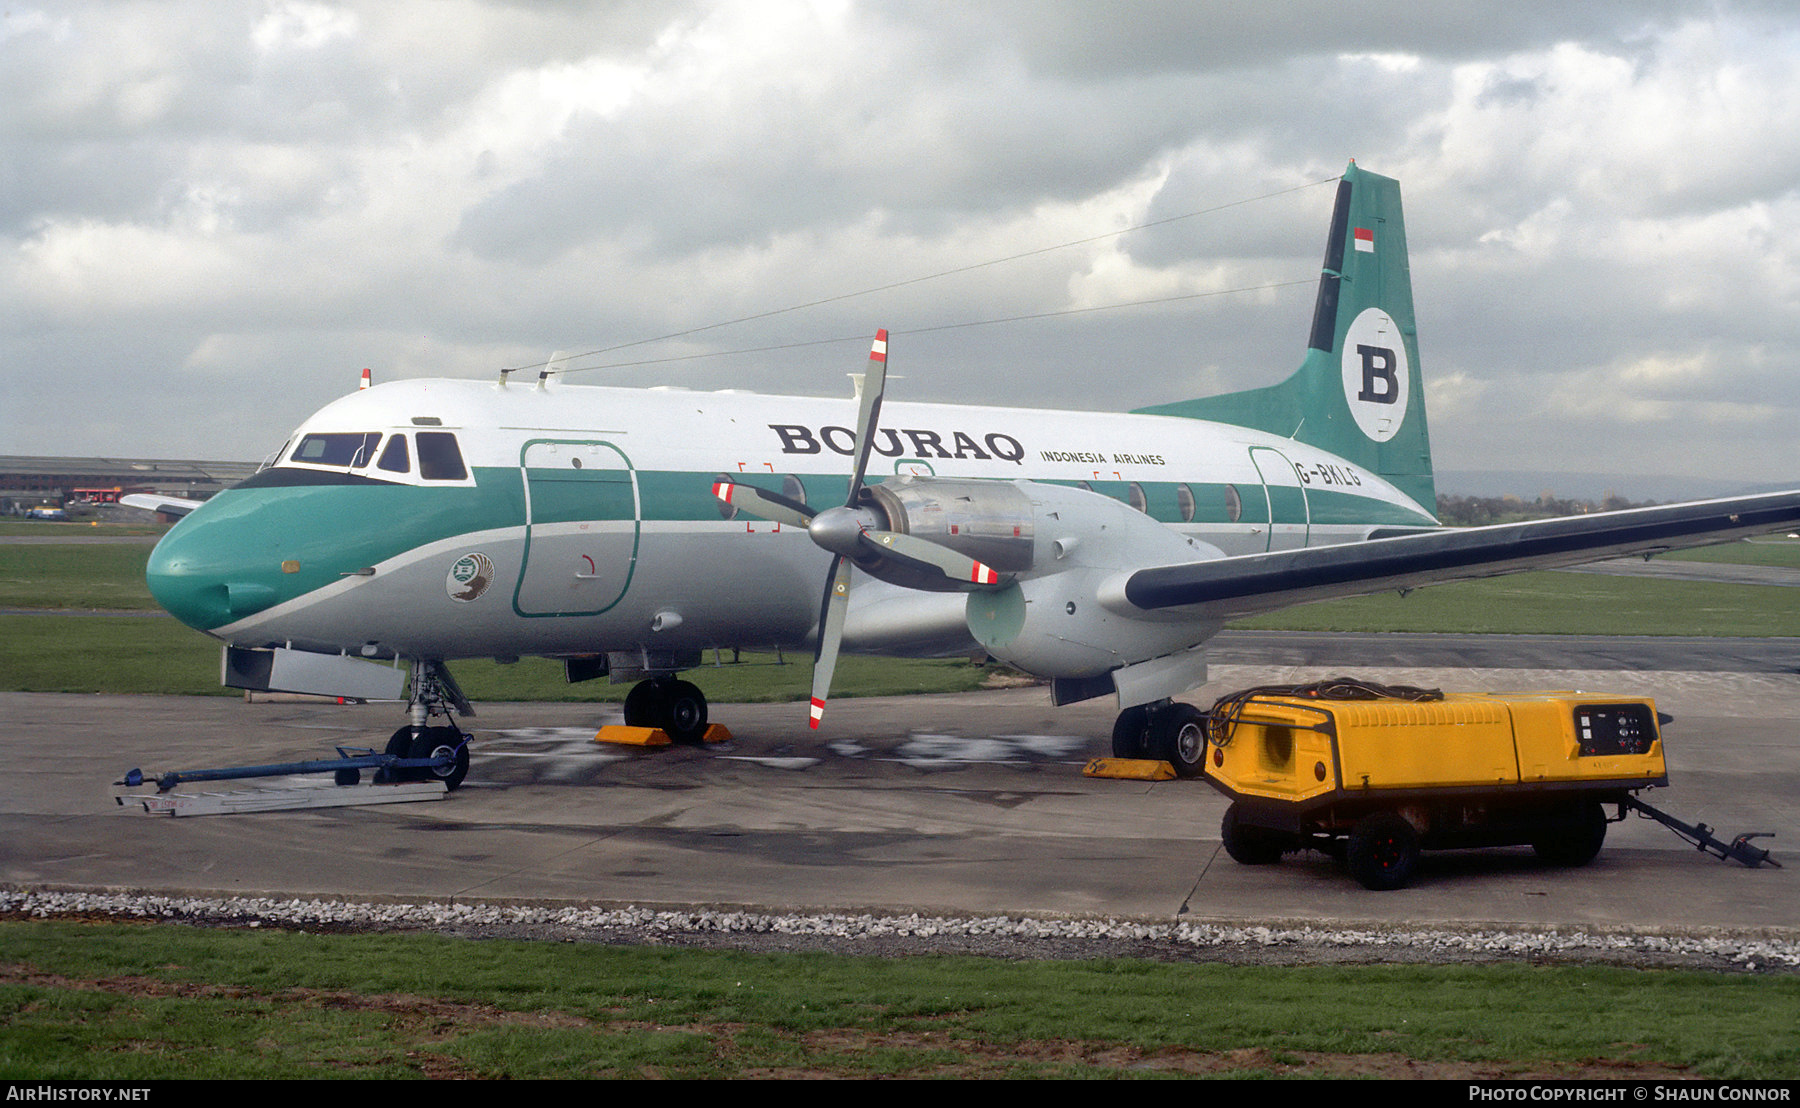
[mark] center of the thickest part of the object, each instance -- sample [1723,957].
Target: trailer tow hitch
[1738,849]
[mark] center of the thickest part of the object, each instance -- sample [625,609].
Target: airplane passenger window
[439,457]
[1135,494]
[345,449]
[793,489]
[1184,498]
[1234,504]
[394,457]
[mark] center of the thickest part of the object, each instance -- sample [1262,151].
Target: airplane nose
[183,586]
[204,575]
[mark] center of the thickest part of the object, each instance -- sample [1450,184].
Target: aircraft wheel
[644,704]
[432,741]
[399,746]
[684,712]
[435,742]
[1131,733]
[1178,737]
[1382,852]
[1248,846]
[1577,842]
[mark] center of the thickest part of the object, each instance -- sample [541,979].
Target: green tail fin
[1358,394]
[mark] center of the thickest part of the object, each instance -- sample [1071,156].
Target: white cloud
[302,26]
[265,199]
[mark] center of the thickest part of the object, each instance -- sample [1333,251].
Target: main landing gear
[433,693]
[675,707]
[1166,731]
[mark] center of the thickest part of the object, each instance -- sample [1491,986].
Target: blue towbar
[446,763]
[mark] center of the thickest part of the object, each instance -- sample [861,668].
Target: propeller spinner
[858,532]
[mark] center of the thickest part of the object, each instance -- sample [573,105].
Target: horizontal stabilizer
[1231,587]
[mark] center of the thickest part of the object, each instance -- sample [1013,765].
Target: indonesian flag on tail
[1365,240]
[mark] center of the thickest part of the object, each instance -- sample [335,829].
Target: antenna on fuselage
[856,383]
[558,363]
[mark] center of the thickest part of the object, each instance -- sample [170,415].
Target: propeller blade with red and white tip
[956,566]
[763,504]
[831,634]
[854,532]
[868,411]
[838,528]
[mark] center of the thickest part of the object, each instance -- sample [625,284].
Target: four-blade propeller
[858,532]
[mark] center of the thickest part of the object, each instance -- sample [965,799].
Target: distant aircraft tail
[1358,394]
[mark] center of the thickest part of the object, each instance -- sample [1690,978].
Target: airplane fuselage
[446,519]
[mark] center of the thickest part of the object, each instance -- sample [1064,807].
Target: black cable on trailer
[1222,719]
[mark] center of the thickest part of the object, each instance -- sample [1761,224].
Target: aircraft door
[1290,514]
[581,527]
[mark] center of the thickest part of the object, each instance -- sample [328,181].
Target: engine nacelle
[1050,621]
[990,521]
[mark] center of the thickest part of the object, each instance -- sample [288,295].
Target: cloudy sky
[214,215]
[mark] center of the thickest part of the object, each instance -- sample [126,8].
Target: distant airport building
[31,482]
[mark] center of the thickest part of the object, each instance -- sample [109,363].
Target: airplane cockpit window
[350,449]
[394,458]
[440,459]
[275,457]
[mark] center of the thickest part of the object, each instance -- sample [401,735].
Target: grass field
[128,1003]
[105,652]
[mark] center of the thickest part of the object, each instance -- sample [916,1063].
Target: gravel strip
[996,936]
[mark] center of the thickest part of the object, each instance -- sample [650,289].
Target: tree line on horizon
[1479,511]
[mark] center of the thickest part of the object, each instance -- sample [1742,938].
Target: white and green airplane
[631,531]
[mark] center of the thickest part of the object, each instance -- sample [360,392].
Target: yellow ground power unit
[1375,780]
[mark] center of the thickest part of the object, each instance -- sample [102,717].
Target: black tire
[684,712]
[436,741]
[644,704]
[431,742]
[400,746]
[1178,737]
[1576,842]
[1131,733]
[1247,845]
[1383,852]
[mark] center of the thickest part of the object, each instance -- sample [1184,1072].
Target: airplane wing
[155,502]
[1233,587]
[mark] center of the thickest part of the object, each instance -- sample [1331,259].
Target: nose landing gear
[433,693]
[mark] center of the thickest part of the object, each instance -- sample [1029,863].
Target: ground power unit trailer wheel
[1375,781]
